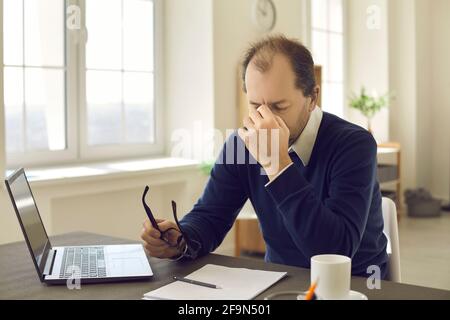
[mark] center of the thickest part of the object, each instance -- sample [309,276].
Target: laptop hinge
[49,263]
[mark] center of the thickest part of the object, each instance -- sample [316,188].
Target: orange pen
[310,294]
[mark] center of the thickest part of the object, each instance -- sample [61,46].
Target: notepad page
[235,283]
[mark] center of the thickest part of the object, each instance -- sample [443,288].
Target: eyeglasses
[173,237]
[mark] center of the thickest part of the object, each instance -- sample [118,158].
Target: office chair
[391,232]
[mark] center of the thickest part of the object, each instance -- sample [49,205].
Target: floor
[424,251]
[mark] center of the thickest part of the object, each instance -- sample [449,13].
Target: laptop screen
[29,217]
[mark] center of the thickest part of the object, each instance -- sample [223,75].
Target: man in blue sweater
[321,197]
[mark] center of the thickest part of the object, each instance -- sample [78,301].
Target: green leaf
[368,105]
[206,167]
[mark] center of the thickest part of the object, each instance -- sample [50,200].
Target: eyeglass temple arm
[148,210]
[174,210]
[188,241]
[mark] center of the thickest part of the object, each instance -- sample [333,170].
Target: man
[321,198]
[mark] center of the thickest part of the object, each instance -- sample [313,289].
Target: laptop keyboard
[87,262]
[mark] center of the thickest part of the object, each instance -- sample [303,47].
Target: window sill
[107,170]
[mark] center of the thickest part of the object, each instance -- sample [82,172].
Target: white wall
[409,57]
[188,60]
[118,210]
[2,113]
[402,81]
[8,223]
[440,92]
[424,69]
[233,32]
[367,61]
[419,73]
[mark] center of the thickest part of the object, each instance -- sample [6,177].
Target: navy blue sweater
[331,206]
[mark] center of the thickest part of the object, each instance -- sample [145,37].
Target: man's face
[276,89]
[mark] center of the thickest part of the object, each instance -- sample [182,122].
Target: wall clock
[264,15]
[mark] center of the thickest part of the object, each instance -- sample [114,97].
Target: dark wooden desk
[18,278]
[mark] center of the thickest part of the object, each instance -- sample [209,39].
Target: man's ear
[314,98]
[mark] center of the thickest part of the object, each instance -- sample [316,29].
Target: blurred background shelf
[389,172]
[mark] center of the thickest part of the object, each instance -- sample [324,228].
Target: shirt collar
[304,144]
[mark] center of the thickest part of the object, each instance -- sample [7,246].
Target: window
[84,93]
[119,72]
[328,51]
[34,76]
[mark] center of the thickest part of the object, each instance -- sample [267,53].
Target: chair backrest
[391,231]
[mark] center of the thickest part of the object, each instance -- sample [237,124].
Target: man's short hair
[261,54]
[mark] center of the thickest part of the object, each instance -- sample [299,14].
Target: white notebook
[234,283]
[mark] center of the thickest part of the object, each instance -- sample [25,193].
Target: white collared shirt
[304,144]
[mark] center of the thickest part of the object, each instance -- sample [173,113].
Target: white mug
[332,273]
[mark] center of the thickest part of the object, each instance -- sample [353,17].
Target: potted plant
[206,166]
[368,105]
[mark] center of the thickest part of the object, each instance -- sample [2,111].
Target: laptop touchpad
[126,260]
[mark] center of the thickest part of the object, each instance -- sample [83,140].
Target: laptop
[57,265]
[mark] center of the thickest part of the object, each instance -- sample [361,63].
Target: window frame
[31,158]
[343,82]
[131,150]
[77,148]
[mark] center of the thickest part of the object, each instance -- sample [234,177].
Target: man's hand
[266,136]
[157,247]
